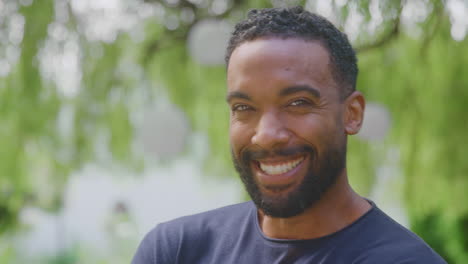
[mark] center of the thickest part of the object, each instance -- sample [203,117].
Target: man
[291,78]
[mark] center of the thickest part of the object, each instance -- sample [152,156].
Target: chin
[291,192]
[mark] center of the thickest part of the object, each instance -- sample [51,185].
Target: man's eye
[239,108]
[299,102]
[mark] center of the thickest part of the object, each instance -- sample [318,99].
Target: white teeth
[281,168]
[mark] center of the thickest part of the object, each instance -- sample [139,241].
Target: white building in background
[101,205]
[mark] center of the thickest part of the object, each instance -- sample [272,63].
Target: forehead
[292,61]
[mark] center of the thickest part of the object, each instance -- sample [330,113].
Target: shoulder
[163,242]
[389,242]
[406,253]
[227,215]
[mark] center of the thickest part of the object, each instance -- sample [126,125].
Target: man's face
[286,126]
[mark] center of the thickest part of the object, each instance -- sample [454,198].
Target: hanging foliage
[51,125]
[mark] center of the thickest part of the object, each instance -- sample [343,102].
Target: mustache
[248,155]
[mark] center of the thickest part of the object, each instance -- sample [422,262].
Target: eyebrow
[286,91]
[300,88]
[239,95]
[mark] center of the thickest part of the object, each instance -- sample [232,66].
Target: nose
[271,132]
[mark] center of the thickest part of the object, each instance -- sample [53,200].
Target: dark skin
[282,94]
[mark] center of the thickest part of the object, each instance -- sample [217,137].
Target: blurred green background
[112,118]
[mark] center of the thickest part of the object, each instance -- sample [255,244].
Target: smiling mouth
[277,168]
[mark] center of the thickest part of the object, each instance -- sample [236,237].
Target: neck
[339,207]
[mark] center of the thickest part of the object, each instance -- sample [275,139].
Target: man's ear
[354,112]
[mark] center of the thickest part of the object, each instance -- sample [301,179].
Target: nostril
[268,140]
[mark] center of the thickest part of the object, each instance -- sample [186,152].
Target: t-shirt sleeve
[415,254]
[154,248]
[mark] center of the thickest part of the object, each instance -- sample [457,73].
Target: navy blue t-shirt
[232,235]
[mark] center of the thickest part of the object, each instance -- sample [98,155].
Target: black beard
[321,175]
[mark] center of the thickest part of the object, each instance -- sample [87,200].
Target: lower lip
[278,180]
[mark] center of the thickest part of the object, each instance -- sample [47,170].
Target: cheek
[313,129]
[306,126]
[239,136]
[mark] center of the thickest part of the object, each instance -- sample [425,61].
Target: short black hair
[295,22]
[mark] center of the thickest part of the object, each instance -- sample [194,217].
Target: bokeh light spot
[164,131]
[208,40]
[377,122]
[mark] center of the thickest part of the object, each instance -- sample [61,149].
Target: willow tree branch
[438,16]
[167,38]
[389,36]
[392,34]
